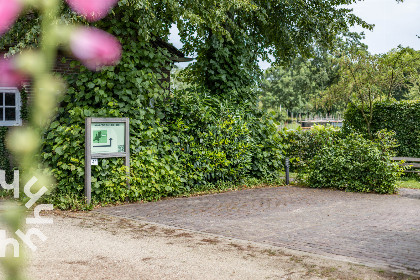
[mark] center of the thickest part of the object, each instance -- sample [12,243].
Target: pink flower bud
[93,10]
[9,11]
[10,76]
[95,48]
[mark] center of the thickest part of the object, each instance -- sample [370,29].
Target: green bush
[267,150]
[403,117]
[356,164]
[212,144]
[154,177]
[304,145]
[194,144]
[218,141]
[180,142]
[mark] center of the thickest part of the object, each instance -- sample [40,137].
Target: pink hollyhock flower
[95,48]
[9,75]
[9,11]
[93,10]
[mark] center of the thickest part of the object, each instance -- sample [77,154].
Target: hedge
[402,117]
[356,164]
[180,141]
[304,145]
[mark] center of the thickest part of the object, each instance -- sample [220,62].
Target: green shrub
[217,150]
[304,145]
[153,177]
[355,164]
[403,117]
[195,144]
[218,141]
[180,142]
[267,150]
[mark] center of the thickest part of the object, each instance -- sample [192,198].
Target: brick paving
[377,230]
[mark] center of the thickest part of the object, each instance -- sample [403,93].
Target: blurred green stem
[45,90]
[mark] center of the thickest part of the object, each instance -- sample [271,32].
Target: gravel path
[251,234]
[96,246]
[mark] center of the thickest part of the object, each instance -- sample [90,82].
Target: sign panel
[105,138]
[108,138]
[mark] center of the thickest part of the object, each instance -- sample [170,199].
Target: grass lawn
[410,183]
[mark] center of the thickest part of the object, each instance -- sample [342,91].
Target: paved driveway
[378,230]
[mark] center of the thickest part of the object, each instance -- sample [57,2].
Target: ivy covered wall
[180,141]
[6,160]
[4,155]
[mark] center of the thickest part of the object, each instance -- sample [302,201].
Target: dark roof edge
[175,53]
[181,59]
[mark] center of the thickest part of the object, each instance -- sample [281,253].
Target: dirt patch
[210,240]
[95,246]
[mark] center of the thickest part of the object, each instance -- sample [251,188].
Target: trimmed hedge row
[403,117]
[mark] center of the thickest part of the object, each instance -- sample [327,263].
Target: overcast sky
[395,24]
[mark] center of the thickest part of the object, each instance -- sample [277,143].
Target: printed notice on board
[108,138]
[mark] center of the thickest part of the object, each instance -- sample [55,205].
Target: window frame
[18,106]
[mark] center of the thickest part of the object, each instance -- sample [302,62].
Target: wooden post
[127,150]
[287,164]
[88,161]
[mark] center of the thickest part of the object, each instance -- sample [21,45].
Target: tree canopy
[228,36]
[365,79]
[295,87]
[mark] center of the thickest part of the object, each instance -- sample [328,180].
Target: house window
[10,104]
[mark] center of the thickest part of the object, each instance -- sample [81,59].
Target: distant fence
[414,163]
[307,124]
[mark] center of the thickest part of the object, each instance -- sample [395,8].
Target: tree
[414,92]
[231,36]
[297,86]
[400,70]
[365,79]
[228,36]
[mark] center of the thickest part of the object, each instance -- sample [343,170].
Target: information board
[107,138]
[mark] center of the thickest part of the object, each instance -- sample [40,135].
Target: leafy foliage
[294,87]
[304,145]
[181,140]
[365,79]
[355,164]
[222,141]
[325,157]
[229,37]
[402,117]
